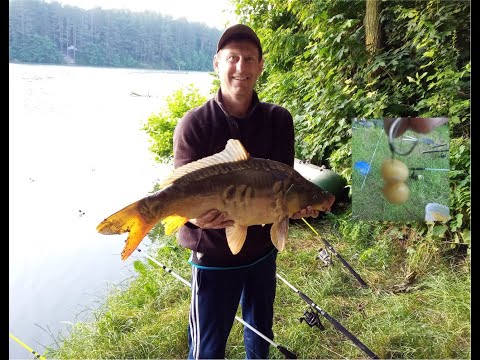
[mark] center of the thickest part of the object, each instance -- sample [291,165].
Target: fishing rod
[287,353]
[35,354]
[433,151]
[334,322]
[374,151]
[431,169]
[344,262]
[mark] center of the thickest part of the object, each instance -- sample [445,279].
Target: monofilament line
[370,163]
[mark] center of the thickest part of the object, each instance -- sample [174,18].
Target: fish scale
[252,191]
[233,167]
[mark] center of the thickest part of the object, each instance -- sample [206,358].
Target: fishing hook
[391,136]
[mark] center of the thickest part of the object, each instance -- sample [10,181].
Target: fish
[253,191]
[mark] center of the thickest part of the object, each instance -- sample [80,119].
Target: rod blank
[334,322]
[287,353]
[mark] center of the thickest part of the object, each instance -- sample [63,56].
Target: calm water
[76,155]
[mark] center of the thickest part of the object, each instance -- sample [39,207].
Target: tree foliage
[42,32]
[315,50]
[160,126]
[317,65]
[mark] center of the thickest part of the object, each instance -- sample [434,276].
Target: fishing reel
[312,319]
[414,176]
[324,256]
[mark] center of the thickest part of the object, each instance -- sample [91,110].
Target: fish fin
[129,220]
[233,152]
[137,234]
[236,235]
[173,222]
[279,233]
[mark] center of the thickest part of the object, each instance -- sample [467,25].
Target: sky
[209,12]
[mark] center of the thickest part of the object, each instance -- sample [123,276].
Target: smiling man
[239,63]
[220,280]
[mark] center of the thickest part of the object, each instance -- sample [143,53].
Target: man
[220,280]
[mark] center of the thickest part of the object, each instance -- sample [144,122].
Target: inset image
[400,169]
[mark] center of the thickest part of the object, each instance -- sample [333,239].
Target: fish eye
[314,196]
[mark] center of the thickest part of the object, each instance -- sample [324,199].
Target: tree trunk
[372,32]
[372,26]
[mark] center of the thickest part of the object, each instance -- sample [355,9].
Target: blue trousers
[215,298]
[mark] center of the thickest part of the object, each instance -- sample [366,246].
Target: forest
[51,33]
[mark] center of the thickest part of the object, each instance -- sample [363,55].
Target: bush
[160,127]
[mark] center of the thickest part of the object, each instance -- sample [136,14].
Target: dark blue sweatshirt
[266,132]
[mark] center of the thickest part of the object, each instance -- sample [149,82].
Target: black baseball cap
[239,32]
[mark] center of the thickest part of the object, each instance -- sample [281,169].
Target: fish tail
[129,219]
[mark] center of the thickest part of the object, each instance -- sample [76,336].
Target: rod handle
[306,298]
[287,353]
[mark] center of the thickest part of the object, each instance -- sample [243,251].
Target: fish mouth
[324,201]
[330,199]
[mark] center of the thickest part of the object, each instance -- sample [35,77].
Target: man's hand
[419,125]
[307,212]
[213,219]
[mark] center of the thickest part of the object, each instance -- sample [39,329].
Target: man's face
[238,67]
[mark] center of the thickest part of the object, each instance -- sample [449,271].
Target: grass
[395,317]
[371,145]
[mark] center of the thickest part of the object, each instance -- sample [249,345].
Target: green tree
[318,66]
[160,127]
[98,37]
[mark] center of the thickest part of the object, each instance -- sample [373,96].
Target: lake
[76,155]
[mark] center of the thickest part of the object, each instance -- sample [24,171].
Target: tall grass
[427,317]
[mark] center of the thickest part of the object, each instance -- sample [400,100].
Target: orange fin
[138,231]
[236,235]
[127,220]
[279,233]
[173,222]
[119,222]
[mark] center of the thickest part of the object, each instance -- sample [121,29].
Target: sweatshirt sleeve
[189,143]
[283,133]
